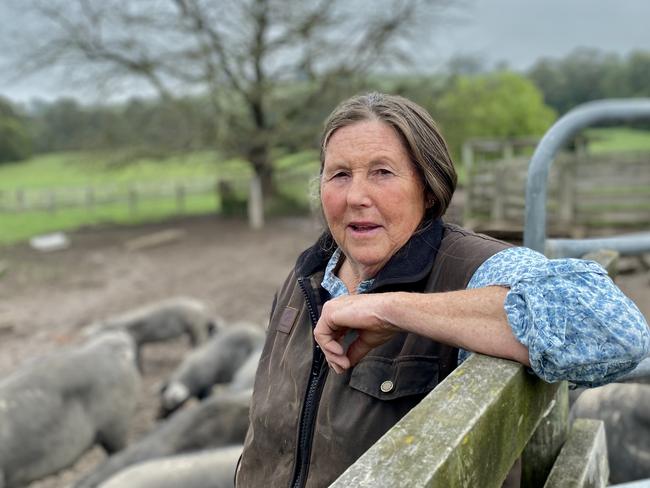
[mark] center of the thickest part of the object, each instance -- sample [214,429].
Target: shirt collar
[411,263]
[334,285]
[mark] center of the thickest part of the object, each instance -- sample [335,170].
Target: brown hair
[421,138]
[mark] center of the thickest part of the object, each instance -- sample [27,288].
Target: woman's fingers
[338,364]
[337,369]
[328,338]
[341,315]
[333,347]
[358,350]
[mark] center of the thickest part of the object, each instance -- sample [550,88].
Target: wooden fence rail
[585,193]
[474,426]
[483,418]
[91,197]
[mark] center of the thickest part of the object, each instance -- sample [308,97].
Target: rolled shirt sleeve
[576,324]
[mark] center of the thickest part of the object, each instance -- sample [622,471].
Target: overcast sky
[521,31]
[515,31]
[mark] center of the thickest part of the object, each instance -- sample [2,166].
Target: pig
[213,468]
[213,363]
[640,374]
[219,420]
[161,321]
[244,377]
[623,407]
[54,408]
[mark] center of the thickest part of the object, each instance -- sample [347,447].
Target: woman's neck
[351,275]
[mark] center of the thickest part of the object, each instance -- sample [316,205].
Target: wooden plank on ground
[156,239]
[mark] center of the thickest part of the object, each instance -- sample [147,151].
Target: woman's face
[372,196]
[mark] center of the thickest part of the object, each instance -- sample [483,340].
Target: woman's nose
[358,194]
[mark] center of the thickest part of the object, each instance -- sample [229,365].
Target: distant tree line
[494,104]
[240,54]
[467,101]
[170,126]
[589,74]
[15,137]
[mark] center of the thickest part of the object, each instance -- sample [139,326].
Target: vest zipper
[310,405]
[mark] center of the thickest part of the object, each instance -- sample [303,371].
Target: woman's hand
[362,313]
[474,320]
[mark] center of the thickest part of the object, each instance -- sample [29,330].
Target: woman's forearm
[470,319]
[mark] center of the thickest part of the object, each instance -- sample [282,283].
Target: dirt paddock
[46,298]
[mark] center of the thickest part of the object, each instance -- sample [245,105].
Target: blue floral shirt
[576,324]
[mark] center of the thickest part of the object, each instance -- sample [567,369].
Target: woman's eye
[384,172]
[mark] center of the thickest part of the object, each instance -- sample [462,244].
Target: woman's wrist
[393,309]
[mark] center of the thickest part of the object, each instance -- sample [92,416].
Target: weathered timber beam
[468,432]
[582,462]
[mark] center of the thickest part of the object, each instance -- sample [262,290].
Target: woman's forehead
[364,137]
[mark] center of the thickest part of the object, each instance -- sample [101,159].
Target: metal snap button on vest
[387,386]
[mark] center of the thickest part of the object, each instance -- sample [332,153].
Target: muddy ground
[47,298]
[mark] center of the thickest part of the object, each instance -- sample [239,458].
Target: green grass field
[607,140]
[83,169]
[60,170]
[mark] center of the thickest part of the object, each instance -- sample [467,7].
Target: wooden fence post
[180,198]
[566,194]
[20,199]
[217,196]
[51,201]
[90,198]
[582,462]
[468,165]
[547,441]
[508,150]
[133,200]
[255,203]
[499,204]
[467,156]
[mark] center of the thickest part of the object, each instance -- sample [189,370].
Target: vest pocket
[389,379]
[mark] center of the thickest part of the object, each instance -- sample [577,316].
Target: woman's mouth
[363,227]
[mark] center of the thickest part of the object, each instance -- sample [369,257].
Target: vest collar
[410,264]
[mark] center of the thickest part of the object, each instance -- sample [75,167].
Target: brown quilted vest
[307,424]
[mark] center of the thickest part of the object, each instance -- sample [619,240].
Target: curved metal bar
[624,244]
[556,137]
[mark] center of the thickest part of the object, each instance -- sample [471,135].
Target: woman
[389,295]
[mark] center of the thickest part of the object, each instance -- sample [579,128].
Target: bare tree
[241,53]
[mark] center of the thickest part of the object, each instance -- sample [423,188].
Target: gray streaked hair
[419,133]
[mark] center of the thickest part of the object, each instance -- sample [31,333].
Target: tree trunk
[260,158]
[268,185]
